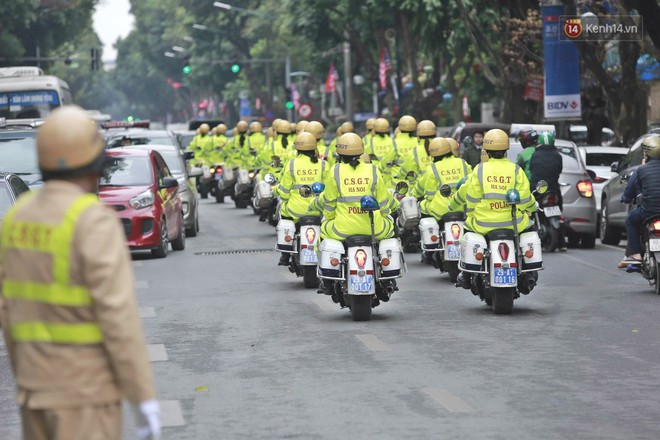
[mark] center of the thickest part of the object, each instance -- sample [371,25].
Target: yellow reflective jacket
[416,161]
[379,145]
[449,170]
[485,194]
[297,172]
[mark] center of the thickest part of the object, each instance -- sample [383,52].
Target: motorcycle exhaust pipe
[389,289]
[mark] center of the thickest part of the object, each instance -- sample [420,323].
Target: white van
[26,93]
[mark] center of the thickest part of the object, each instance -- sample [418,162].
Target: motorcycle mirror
[269,179]
[513,197]
[445,190]
[542,187]
[318,188]
[401,188]
[305,191]
[368,203]
[411,175]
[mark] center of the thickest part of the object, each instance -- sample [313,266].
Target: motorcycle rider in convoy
[219,136]
[418,160]
[445,169]
[644,182]
[316,128]
[485,192]
[455,148]
[404,142]
[528,140]
[202,144]
[380,143]
[277,146]
[369,125]
[345,184]
[546,164]
[305,169]
[256,139]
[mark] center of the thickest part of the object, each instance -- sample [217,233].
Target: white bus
[26,93]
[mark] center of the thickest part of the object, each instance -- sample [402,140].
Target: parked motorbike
[549,221]
[300,239]
[504,263]
[441,241]
[360,272]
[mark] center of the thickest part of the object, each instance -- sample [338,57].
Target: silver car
[577,192]
[599,160]
[175,160]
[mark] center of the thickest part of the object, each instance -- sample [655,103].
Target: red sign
[534,88]
[305,111]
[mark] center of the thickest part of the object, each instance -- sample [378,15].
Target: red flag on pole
[384,67]
[333,76]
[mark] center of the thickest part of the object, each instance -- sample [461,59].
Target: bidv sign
[563,106]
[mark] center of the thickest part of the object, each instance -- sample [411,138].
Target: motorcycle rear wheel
[502,300]
[657,277]
[310,280]
[451,267]
[361,307]
[550,239]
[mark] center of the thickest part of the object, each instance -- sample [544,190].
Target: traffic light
[288,103]
[235,68]
[186,66]
[95,58]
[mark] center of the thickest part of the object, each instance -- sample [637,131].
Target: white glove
[147,420]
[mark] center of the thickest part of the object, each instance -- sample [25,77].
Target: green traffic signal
[289,105]
[235,68]
[187,69]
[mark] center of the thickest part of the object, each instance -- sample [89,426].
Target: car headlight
[143,200]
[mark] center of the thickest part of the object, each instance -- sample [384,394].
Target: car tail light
[656,227]
[599,179]
[503,250]
[455,231]
[585,188]
[550,200]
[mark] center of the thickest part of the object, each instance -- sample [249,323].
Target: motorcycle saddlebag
[263,194]
[286,231]
[390,249]
[530,243]
[429,230]
[409,213]
[472,244]
[329,250]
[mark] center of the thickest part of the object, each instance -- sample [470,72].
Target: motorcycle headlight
[251,175]
[143,200]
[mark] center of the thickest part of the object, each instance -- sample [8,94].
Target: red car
[140,187]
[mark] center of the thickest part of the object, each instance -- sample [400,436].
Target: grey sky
[112,20]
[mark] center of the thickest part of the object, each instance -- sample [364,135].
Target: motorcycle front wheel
[502,300]
[361,307]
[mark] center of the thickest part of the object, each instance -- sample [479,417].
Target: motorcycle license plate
[453,252]
[654,245]
[308,256]
[361,284]
[218,176]
[503,276]
[552,211]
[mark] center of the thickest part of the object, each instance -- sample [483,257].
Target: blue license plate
[218,176]
[308,256]
[361,284]
[453,252]
[503,276]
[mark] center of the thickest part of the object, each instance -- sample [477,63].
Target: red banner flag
[384,67]
[333,76]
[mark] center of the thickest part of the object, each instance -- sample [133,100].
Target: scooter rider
[403,143]
[528,140]
[345,184]
[485,193]
[546,164]
[418,159]
[380,143]
[369,125]
[645,182]
[445,169]
[305,169]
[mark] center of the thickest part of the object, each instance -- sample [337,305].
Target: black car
[11,186]
[18,153]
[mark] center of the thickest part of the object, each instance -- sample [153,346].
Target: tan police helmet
[370,124]
[382,125]
[455,148]
[407,123]
[214,130]
[305,142]
[68,141]
[276,122]
[316,128]
[439,147]
[300,126]
[496,140]
[365,158]
[222,128]
[255,127]
[283,127]
[347,127]
[651,146]
[292,126]
[338,131]
[350,144]
[204,128]
[426,128]
[242,126]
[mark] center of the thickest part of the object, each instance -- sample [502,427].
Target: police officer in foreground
[68,311]
[485,192]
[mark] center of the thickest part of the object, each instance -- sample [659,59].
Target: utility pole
[348,81]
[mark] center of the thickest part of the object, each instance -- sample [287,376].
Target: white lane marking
[373,343]
[138,264]
[451,403]
[157,352]
[171,414]
[325,303]
[147,312]
[142,284]
[592,266]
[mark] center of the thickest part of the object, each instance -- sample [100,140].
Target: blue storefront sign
[562,69]
[30,98]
